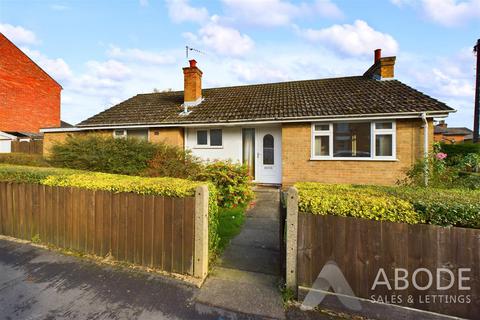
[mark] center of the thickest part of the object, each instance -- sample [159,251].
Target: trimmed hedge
[24,159]
[347,201]
[442,207]
[169,187]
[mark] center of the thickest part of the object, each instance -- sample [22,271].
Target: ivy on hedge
[396,204]
[162,186]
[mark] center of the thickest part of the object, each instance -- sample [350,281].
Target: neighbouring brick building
[446,134]
[366,129]
[29,97]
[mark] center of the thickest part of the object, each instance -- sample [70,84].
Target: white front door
[268,155]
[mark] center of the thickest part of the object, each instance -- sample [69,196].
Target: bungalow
[359,129]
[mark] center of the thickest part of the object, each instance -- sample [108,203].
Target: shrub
[461,149]
[105,154]
[232,181]
[169,187]
[453,207]
[25,159]
[172,161]
[349,201]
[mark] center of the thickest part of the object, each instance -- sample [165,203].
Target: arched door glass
[268,150]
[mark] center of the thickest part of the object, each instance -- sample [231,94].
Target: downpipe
[425,148]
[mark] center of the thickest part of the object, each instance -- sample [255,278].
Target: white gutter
[425,147]
[378,116]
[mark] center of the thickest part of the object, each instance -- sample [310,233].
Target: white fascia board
[7,135]
[378,116]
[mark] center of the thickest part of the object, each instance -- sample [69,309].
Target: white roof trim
[403,115]
[7,135]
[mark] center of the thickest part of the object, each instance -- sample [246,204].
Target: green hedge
[396,204]
[169,187]
[347,201]
[460,149]
[24,159]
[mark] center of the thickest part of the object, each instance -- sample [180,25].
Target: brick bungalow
[360,129]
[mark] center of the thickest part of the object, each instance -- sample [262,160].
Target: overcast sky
[103,52]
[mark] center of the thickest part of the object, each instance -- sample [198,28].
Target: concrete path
[248,276]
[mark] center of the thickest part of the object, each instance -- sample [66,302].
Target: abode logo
[429,287]
[331,277]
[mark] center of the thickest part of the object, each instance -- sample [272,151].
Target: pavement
[37,283]
[247,278]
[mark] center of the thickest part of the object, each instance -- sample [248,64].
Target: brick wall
[297,166]
[50,138]
[29,98]
[172,136]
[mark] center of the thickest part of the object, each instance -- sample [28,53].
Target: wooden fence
[31,147]
[361,247]
[151,231]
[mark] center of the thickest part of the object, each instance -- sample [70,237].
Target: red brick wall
[29,98]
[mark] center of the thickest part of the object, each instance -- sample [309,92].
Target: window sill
[355,159]
[208,147]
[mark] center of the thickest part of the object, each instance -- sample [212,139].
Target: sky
[103,52]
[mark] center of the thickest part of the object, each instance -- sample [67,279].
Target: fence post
[200,268]
[292,234]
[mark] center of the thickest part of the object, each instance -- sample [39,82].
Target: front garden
[131,165]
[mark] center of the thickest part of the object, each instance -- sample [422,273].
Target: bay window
[354,140]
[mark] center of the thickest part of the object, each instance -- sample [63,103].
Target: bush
[105,154]
[26,159]
[461,149]
[349,201]
[169,187]
[445,172]
[454,207]
[232,181]
[172,161]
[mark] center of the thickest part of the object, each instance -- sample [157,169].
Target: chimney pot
[378,55]
[193,63]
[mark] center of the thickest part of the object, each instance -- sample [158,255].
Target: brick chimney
[382,68]
[442,124]
[192,84]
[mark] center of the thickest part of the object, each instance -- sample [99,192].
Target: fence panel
[30,147]
[362,247]
[151,231]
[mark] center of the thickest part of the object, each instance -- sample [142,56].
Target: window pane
[322,127]
[351,140]
[383,125]
[216,137]
[118,133]
[322,145]
[268,150]
[138,134]
[383,145]
[202,137]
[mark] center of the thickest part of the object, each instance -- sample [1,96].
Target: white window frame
[373,133]
[207,146]
[392,132]
[125,134]
[122,136]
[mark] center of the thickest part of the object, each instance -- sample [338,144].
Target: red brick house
[29,97]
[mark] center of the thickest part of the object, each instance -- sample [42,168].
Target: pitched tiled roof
[453,131]
[275,101]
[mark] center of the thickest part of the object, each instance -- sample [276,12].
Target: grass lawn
[230,224]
